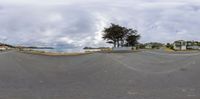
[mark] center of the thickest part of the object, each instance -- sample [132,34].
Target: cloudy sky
[79,23]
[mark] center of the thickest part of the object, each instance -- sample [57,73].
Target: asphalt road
[138,75]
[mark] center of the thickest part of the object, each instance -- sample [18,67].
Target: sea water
[63,50]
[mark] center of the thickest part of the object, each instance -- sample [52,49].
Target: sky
[79,23]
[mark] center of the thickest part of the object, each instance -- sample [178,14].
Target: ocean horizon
[63,50]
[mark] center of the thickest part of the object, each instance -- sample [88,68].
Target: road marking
[1,53]
[134,93]
[152,72]
[157,53]
[191,95]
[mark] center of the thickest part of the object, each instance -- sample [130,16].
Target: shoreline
[46,53]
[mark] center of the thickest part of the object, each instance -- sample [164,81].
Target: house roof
[3,46]
[179,41]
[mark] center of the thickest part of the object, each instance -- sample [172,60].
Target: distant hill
[11,46]
[34,47]
[29,47]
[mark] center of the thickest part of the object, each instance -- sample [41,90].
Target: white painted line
[152,72]
[4,52]
[157,53]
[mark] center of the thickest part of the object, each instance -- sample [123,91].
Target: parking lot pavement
[139,75]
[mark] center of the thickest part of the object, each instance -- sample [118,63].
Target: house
[153,45]
[193,45]
[148,46]
[186,45]
[3,48]
[180,45]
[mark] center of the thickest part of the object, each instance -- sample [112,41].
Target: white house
[3,48]
[148,46]
[193,45]
[180,45]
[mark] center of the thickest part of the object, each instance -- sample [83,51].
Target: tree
[156,45]
[198,43]
[170,46]
[141,46]
[118,35]
[113,34]
[132,40]
[132,37]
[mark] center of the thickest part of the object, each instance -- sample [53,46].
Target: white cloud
[66,40]
[55,17]
[3,39]
[78,23]
[102,22]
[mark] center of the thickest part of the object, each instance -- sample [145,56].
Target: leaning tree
[113,34]
[120,36]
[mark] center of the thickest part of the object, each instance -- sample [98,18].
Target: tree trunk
[118,43]
[114,43]
[122,43]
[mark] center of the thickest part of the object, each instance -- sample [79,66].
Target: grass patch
[168,49]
